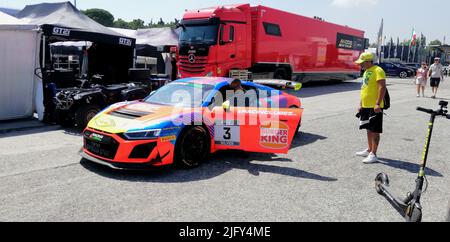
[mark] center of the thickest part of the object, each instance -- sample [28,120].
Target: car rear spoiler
[280,84]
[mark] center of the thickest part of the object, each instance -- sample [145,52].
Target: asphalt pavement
[43,178]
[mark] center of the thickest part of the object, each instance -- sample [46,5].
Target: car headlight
[143,134]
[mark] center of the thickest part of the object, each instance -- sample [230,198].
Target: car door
[249,127]
[390,69]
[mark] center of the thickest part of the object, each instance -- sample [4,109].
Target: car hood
[124,117]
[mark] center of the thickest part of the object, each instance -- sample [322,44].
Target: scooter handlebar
[429,111]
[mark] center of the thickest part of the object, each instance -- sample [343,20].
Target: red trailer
[269,43]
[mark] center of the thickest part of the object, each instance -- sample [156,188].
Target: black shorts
[371,121]
[435,82]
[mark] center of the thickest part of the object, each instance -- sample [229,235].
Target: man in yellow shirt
[371,107]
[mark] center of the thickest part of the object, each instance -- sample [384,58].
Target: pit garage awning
[64,22]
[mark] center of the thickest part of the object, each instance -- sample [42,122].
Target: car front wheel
[403,74]
[192,148]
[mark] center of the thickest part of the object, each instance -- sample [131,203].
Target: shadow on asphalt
[304,139]
[38,130]
[324,88]
[73,131]
[28,131]
[407,166]
[218,164]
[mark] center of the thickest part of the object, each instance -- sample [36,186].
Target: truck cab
[214,41]
[236,40]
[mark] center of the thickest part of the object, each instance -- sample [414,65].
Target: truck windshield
[204,34]
[186,95]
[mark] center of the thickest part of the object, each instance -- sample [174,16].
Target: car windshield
[181,95]
[205,34]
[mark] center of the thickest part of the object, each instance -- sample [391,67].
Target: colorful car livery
[186,120]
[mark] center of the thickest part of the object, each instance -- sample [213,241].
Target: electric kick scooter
[410,207]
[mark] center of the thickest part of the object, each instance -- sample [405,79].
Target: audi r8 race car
[186,120]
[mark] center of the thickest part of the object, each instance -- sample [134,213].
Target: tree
[122,24]
[436,42]
[161,22]
[100,16]
[137,24]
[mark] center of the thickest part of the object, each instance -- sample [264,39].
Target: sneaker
[418,95]
[364,153]
[372,158]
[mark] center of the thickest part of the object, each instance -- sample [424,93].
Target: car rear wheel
[84,114]
[192,148]
[403,74]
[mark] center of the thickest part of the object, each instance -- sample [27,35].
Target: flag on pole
[397,47]
[380,40]
[413,37]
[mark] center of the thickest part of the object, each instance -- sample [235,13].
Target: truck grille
[107,147]
[197,67]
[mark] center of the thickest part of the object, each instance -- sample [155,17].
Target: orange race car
[188,119]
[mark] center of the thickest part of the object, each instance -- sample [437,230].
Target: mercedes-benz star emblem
[191,58]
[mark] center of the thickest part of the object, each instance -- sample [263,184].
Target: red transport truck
[268,43]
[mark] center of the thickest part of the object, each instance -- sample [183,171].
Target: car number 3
[228,135]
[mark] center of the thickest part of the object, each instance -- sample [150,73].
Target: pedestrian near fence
[436,74]
[373,93]
[422,79]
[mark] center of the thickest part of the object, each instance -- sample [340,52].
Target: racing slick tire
[62,118]
[84,114]
[192,147]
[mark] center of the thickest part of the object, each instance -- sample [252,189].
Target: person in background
[421,79]
[436,74]
[371,107]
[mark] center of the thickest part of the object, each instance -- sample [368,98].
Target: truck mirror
[224,34]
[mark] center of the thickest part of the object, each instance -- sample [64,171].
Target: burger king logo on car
[274,135]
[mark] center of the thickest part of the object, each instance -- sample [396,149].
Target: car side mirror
[226,105]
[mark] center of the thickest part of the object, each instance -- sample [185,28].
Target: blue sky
[431,17]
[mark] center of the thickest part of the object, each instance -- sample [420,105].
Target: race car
[185,121]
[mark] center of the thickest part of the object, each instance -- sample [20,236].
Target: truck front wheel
[84,114]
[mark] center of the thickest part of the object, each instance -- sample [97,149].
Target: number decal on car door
[228,135]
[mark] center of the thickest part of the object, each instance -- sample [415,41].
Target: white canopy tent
[155,37]
[18,60]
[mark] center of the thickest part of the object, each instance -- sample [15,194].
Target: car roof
[218,82]
[204,80]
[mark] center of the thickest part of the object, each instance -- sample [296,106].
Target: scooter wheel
[382,179]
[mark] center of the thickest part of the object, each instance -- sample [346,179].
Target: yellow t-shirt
[369,89]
